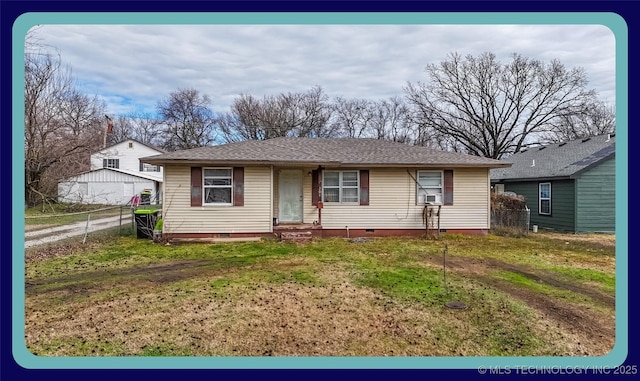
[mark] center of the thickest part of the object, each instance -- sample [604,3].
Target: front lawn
[540,295]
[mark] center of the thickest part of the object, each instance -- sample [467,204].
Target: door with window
[290,196]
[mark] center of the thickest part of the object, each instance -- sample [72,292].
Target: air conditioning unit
[431,198]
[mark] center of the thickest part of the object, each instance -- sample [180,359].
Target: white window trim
[115,162]
[156,168]
[205,187]
[419,187]
[540,199]
[340,187]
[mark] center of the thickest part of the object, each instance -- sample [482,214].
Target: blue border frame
[27,360]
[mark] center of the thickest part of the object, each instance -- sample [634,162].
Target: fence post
[86,229]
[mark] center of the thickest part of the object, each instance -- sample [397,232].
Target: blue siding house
[568,186]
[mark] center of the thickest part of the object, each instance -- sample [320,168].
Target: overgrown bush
[507,201]
[509,217]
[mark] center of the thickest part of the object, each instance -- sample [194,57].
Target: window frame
[205,187]
[341,187]
[540,199]
[106,163]
[146,168]
[420,188]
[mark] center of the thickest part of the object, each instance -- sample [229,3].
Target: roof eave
[203,162]
[579,172]
[523,179]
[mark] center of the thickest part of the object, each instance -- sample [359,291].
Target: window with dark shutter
[364,187]
[448,187]
[196,186]
[238,186]
[315,187]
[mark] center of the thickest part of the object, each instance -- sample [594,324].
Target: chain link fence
[510,222]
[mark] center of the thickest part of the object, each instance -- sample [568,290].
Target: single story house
[332,187]
[109,186]
[568,186]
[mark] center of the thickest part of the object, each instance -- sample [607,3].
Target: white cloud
[134,66]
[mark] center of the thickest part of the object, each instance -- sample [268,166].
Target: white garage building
[110,186]
[116,175]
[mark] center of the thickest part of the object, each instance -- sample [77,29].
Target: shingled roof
[316,151]
[559,160]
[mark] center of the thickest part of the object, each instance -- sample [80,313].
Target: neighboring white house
[115,177]
[109,186]
[126,155]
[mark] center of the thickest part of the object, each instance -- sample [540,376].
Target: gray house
[568,186]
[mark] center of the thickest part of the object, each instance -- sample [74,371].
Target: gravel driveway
[48,235]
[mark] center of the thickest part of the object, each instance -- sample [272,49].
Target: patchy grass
[62,214]
[331,297]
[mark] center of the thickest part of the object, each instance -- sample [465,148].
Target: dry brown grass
[264,309]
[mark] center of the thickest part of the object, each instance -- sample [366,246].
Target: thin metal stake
[86,229]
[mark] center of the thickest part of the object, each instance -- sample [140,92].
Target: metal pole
[86,229]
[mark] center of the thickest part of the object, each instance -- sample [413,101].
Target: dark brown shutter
[196,186]
[141,166]
[104,163]
[364,187]
[315,187]
[448,187]
[238,186]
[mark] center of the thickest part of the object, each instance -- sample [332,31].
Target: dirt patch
[157,273]
[595,329]
[596,332]
[483,266]
[48,252]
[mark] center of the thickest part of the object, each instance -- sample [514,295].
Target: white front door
[290,195]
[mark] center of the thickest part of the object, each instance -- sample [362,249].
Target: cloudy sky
[132,67]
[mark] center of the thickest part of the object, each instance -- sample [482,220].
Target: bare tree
[490,108]
[352,117]
[122,129]
[187,120]
[142,127]
[61,123]
[391,120]
[293,114]
[596,118]
[247,120]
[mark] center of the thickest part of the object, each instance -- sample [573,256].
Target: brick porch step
[296,236]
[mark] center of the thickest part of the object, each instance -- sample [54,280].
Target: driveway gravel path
[48,235]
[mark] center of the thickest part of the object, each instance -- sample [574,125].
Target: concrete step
[296,236]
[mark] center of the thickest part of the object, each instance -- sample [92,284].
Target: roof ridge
[300,150]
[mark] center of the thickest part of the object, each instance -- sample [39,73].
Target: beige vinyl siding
[180,217]
[470,209]
[393,203]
